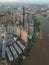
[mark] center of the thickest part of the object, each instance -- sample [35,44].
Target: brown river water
[39,54]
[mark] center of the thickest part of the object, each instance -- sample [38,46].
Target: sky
[32,1]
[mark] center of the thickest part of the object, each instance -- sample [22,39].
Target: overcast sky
[25,0]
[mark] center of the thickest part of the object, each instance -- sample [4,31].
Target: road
[39,54]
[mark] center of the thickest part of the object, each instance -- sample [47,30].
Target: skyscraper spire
[23,16]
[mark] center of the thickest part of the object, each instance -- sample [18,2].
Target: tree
[36,28]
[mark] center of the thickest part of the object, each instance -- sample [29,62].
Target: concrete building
[10,27]
[31,27]
[24,35]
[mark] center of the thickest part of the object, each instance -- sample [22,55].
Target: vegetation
[36,24]
[36,29]
[2,63]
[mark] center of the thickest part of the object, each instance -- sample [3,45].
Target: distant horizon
[43,3]
[27,1]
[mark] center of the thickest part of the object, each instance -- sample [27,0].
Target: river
[39,54]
